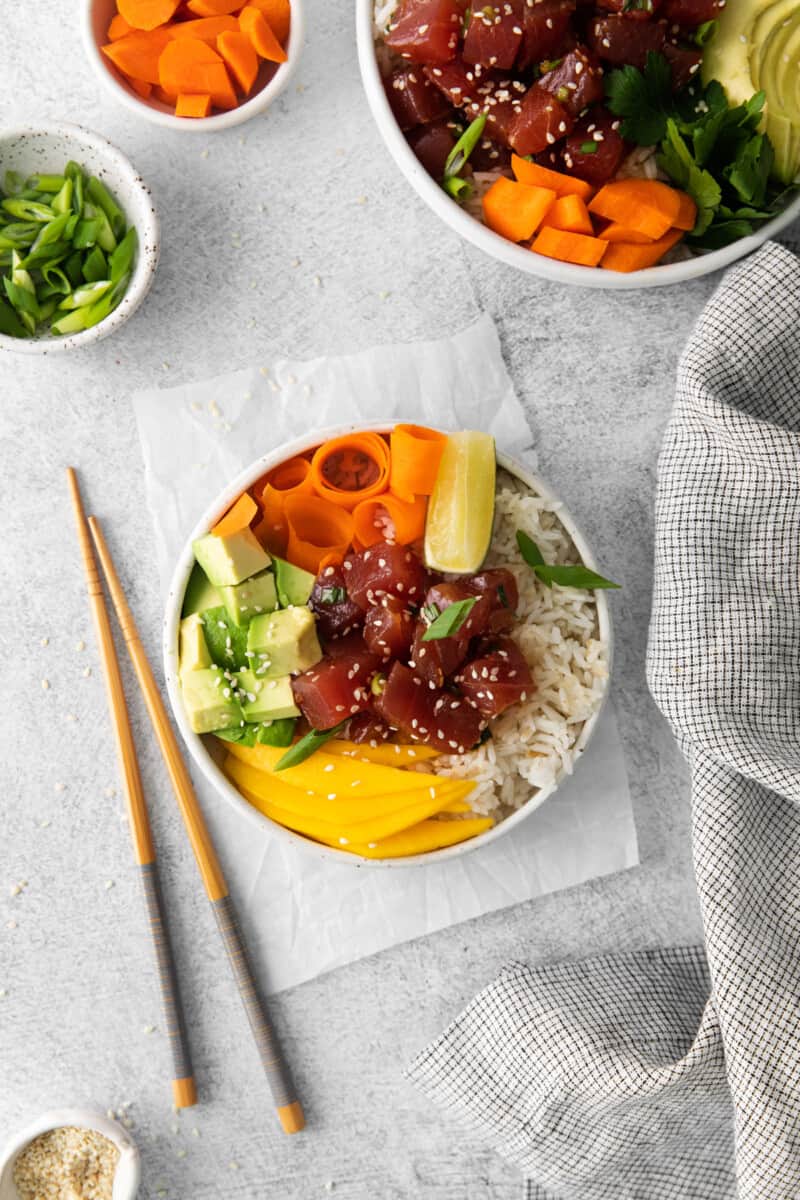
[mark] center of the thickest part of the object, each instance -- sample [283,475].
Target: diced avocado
[199,593]
[209,700]
[251,597]
[226,641]
[229,560]
[194,654]
[264,733]
[283,643]
[266,699]
[293,583]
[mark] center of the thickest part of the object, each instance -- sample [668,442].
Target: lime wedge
[461,510]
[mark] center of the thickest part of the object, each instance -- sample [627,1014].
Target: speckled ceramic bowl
[127,1175]
[47,149]
[271,81]
[205,750]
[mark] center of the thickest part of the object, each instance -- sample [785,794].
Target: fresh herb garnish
[307,745]
[430,612]
[450,621]
[460,189]
[332,595]
[710,149]
[272,733]
[574,575]
[588,147]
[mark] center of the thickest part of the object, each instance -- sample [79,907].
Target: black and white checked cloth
[675,1074]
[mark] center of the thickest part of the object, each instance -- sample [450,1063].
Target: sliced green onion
[28,210]
[457,158]
[45,183]
[12,183]
[450,621]
[101,196]
[121,260]
[86,295]
[588,147]
[86,233]
[62,203]
[95,265]
[307,746]
[10,323]
[460,189]
[72,322]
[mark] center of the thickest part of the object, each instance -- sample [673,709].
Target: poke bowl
[370,667]
[601,144]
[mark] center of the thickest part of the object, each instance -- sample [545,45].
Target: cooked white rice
[558,633]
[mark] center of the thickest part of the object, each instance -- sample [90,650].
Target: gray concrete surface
[596,376]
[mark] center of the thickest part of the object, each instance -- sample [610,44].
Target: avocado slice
[283,642]
[229,560]
[727,56]
[266,699]
[254,595]
[209,700]
[193,654]
[294,584]
[199,593]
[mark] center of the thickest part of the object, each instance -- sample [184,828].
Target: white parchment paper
[308,916]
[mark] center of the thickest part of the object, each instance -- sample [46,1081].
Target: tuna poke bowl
[390,643]
[610,143]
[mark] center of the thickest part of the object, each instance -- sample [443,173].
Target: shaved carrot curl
[349,469]
[317,528]
[387,518]
[238,517]
[416,454]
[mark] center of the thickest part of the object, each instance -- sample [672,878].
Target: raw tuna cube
[540,122]
[692,13]
[432,145]
[413,99]
[684,62]
[640,10]
[576,82]
[436,718]
[496,680]
[335,689]
[618,40]
[601,129]
[546,30]
[426,31]
[478,90]
[494,34]
[436,660]
[500,588]
[367,728]
[384,570]
[336,613]
[389,630]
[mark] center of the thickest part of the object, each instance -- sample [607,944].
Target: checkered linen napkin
[612,1079]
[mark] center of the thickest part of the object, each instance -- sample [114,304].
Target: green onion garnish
[450,621]
[588,147]
[568,575]
[307,745]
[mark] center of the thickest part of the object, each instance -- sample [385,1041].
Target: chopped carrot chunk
[570,247]
[570,214]
[188,105]
[514,210]
[626,257]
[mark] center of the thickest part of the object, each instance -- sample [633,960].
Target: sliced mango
[340,810]
[390,754]
[422,838]
[335,773]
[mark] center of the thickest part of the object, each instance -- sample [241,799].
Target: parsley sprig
[709,148]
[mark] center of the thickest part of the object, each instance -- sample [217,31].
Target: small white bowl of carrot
[194,65]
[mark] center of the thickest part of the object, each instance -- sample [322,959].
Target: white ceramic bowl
[508,252]
[272,78]
[199,747]
[128,1174]
[47,149]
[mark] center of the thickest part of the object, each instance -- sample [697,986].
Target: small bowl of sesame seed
[76,1152]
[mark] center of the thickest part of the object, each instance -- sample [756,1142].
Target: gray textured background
[595,373]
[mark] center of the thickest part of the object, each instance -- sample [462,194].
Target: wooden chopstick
[290,1111]
[184,1091]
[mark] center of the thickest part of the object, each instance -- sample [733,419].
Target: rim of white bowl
[194,741]
[151,111]
[127,1176]
[508,252]
[147,230]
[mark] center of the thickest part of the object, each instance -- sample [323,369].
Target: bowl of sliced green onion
[79,238]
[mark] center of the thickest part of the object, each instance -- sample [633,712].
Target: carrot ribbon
[290,478]
[416,454]
[238,517]
[349,469]
[387,518]
[316,529]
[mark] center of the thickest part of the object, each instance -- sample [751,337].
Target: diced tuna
[540,122]
[413,98]
[426,31]
[576,82]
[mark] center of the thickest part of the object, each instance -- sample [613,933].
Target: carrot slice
[192,66]
[292,477]
[147,14]
[164,97]
[622,233]
[416,453]
[277,14]
[141,88]
[349,469]
[137,55]
[687,213]
[622,257]
[207,29]
[571,214]
[515,210]
[192,106]
[316,528]
[241,59]
[387,518]
[254,26]
[570,247]
[213,8]
[646,205]
[118,28]
[238,516]
[533,175]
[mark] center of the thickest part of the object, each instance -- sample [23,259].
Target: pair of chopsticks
[184,1090]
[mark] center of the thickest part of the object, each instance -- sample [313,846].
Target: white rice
[558,634]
